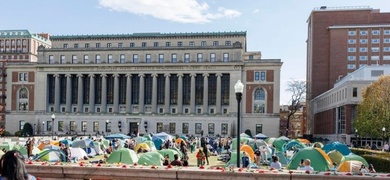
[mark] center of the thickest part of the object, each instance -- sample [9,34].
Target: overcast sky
[277,28]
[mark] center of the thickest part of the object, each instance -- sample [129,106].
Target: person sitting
[306,166]
[12,166]
[185,161]
[275,164]
[371,169]
[166,160]
[245,160]
[176,162]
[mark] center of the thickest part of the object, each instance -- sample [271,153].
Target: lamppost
[52,125]
[146,126]
[356,136]
[383,135]
[35,130]
[239,89]
[43,127]
[107,121]
[137,129]
[120,126]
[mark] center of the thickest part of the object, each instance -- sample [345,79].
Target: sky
[277,28]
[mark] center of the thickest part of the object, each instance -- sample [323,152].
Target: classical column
[218,100]
[57,93]
[141,102]
[180,94]
[167,94]
[154,93]
[116,93]
[192,95]
[92,93]
[103,104]
[128,93]
[205,93]
[68,105]
[80,94]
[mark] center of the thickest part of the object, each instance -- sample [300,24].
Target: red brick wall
[270,75]
[250,76]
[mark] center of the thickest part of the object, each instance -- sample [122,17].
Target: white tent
[78,153]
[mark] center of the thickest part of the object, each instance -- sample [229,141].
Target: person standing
[264,155]
[386,147]
[258,157]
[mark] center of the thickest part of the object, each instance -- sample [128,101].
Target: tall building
[340,40]
[17,46]
[180,83]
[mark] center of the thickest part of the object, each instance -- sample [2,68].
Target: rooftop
[342,8]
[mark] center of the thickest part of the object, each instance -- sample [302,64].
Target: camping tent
[278,143]
[318,145]
[293,144]
[164,136]
[144,146]
[350,166]
[245,140]
[180,140]
[342,148]
[249,151]
[245,135]
[84,143]
[158,143]
[260,136]
[233,159]
[282,159]
[169,152]
[270,140]
[354,157]
[51,155]
[66,142]
[304,141]
[151,145]
[151,158]
[78,153]
[147,137]
[117,136]
[336,157]
[319,160]
[140,139]
[123,155]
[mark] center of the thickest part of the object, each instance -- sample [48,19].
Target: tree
[297,88]
[374,111]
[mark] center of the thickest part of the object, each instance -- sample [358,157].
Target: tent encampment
[249,151]
[84,143]
[51,155]
[336,157]
[319,160]
[117,136]
[79,153]
[169,152]
[151,158]
[164,136]
[354,157]
[144,146]
[341,147]
[350,166]
[151,145]
[123,155]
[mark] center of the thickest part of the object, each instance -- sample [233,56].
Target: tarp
[51,155]
[164,136]
[117,136]
[249,151]
[169,152]
[350,166]
[319,160]
[336,157]
[151,158]
[151,145]
[123,155]
[84,143]
[143,146]
[354,157]
[342,148]
[78,153]
[261,136]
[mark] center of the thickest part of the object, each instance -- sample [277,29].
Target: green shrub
[6,133]
[18,133]
[380,163]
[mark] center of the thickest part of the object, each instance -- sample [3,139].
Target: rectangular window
[51,59]
[375,32]
[374,58]
[122,58]
[96,126]
[192,43]
[386,32]
[200,57]
[49,125]
[375,49]
[135,58]
[65,46]
[212,57]
[60,126]
[257,76]
[132,44]
[215,43]
[62,59]
[386,57]
[97,45]
[144,44]
[161,58]
[224,128]
[109,45]
[351,66]
[375,41]
[211,128]
[174,58]
[86,45]
[351,33]
[363,49]
[120,45]
[84,126]
[186,57]
[354,92]
[172,128]
[203,43]
[23,77]
[262,76]
[148,58]
[179,44]
[160,127]
[76,45]
[363,32]
[250,57]
[351,41]
[72,126]
[155,44]
[351,58]
[74,59]
[86,59]
[259,128]
[386,49]
[225,57]
[185,128]
[108,126]
[228,43]
[386,40]
[21,124]
[168,44]
[363,58]
[97,58]
[109,59]
[198,128]
[363,41]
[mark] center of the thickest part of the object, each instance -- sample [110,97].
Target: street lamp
[107,121]
[52,125]
[239,89]
[383,135]
[35,130]
[120,126]
[43,127]
[137,129]
[356,136]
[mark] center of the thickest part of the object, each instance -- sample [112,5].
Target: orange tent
[350,166]
[304,141]
[179,140]
[249,151]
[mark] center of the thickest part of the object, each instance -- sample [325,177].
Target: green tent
[123,155]
[147,137]
[151,158]
[246,140]
[290,145]
[233,159]
[151,145]
[278,143]
[354,157]
[169,152]
[106,142]
[21,149]
[181,155]
[318,161]
[245,135]
[336,157]
[270,140]
[282,159]
[6,146]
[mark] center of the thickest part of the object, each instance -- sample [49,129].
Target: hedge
[379,159]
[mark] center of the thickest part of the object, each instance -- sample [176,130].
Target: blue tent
[342,148]
[164,136]
[66,142]
[260,136]
[158,142]
[84,143]
[117,136]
